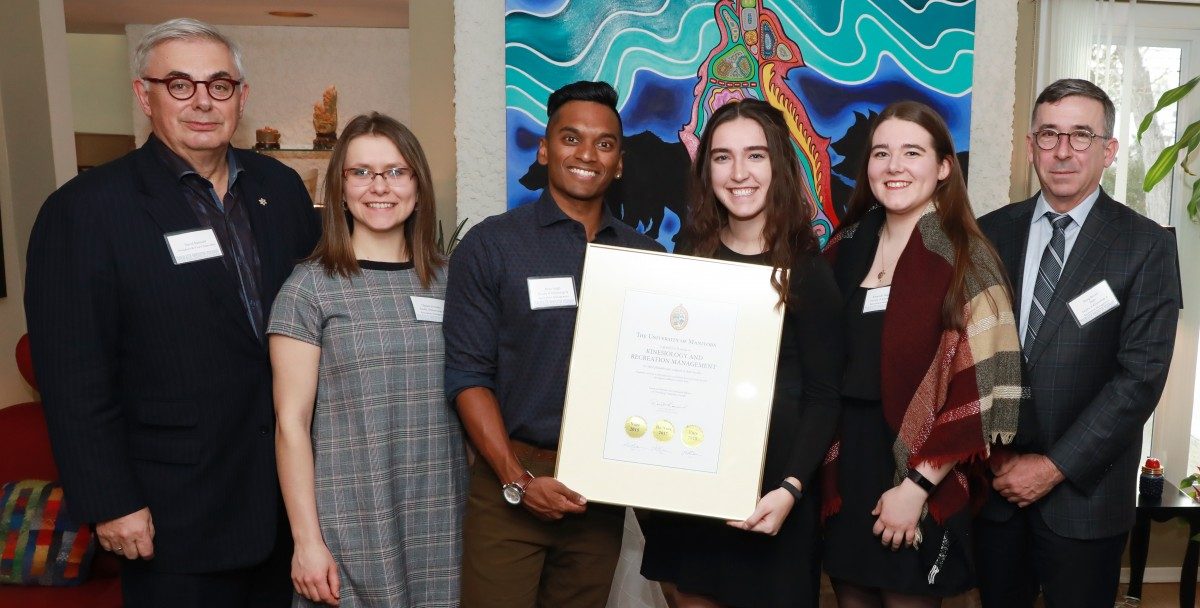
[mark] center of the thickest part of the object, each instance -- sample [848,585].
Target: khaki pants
[512,559]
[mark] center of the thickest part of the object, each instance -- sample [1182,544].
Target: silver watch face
[513,494]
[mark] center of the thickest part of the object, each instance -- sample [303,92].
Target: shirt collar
[1078,214]
[180,168]
[548,212]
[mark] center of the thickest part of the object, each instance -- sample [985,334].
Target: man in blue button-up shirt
[509,322]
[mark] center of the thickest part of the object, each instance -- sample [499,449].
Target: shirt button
[262,430]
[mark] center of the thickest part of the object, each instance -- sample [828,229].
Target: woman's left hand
[899,510]
[769,514]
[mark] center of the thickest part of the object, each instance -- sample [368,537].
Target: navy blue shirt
[493,339]
[229,221]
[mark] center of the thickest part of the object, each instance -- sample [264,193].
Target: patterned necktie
[1048,273]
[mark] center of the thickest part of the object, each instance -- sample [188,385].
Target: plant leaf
[1188,143]
[1167,99]
[1193,206]
[1162,166]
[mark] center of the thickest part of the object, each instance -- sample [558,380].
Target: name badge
[1093,303]
[877,299]
[551,292]
[428,309]
[193,245]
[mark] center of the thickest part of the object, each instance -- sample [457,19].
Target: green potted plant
[1186,145]
[446,246]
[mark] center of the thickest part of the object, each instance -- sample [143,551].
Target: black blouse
[864,345]
[811,362]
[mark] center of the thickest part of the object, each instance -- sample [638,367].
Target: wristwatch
[514,492]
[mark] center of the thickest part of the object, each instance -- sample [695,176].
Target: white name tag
[193,245]
[551,292]
[877,299]
[1093,303]
[428,309]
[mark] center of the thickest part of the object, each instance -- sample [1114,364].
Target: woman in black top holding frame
[749,204]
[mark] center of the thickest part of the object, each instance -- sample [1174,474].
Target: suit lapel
[163,201]
[1095,236]
[261,213]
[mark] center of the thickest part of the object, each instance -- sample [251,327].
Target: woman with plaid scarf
[933,375]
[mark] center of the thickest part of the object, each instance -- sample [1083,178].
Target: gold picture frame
[671,382]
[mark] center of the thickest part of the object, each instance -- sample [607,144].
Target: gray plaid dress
[389,459]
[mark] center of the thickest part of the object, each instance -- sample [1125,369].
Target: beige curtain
[1068,29]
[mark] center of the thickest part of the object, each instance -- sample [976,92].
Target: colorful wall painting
[830,65]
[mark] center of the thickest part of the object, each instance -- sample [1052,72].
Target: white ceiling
[110,16]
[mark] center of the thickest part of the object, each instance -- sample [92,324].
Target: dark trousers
[1016,557]
[512,559]
[264,585]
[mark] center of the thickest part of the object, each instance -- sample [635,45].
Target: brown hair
[1068,87]
[789,207]
[951,202]
[334,251]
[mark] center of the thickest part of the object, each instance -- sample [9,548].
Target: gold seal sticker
[664,431]
[693,435]
[679,318]
[635,426]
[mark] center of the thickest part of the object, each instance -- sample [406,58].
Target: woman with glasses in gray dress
[370,456]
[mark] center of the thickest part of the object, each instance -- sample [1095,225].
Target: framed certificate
[671,382]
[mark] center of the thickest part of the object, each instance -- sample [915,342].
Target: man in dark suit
[1096,296]
[148,286]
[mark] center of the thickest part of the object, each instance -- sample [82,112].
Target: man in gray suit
[1096,295]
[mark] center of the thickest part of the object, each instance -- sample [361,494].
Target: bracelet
[922,482]
[796,493]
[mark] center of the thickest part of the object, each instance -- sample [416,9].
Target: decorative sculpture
[325,120]
[266,138]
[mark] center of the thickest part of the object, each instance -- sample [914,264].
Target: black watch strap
[793,490]
[916,477]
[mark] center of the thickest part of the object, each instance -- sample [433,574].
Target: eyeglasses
[362,176]
[183,88]
[1081,140]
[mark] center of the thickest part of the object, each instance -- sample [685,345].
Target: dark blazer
[1094,387]
[157,390]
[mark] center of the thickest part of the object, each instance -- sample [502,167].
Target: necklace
[882,253]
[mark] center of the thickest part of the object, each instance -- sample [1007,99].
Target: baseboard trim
[1162,574]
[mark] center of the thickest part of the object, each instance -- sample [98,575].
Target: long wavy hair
[951,201]
[789,204]
[334,251]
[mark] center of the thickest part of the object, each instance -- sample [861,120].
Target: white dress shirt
[1040,232]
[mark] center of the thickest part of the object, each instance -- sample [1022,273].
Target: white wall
[479,108]
[288,68]
[992,102]
[100,91]
[430,89]
[480,122]
[13,388]
[37,150]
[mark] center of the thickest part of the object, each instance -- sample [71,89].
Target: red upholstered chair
[25,454]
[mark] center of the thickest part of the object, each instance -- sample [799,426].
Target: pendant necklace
[882,254]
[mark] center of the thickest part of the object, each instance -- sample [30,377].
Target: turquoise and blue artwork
[829,65]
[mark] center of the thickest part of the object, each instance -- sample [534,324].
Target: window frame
[1170,427]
